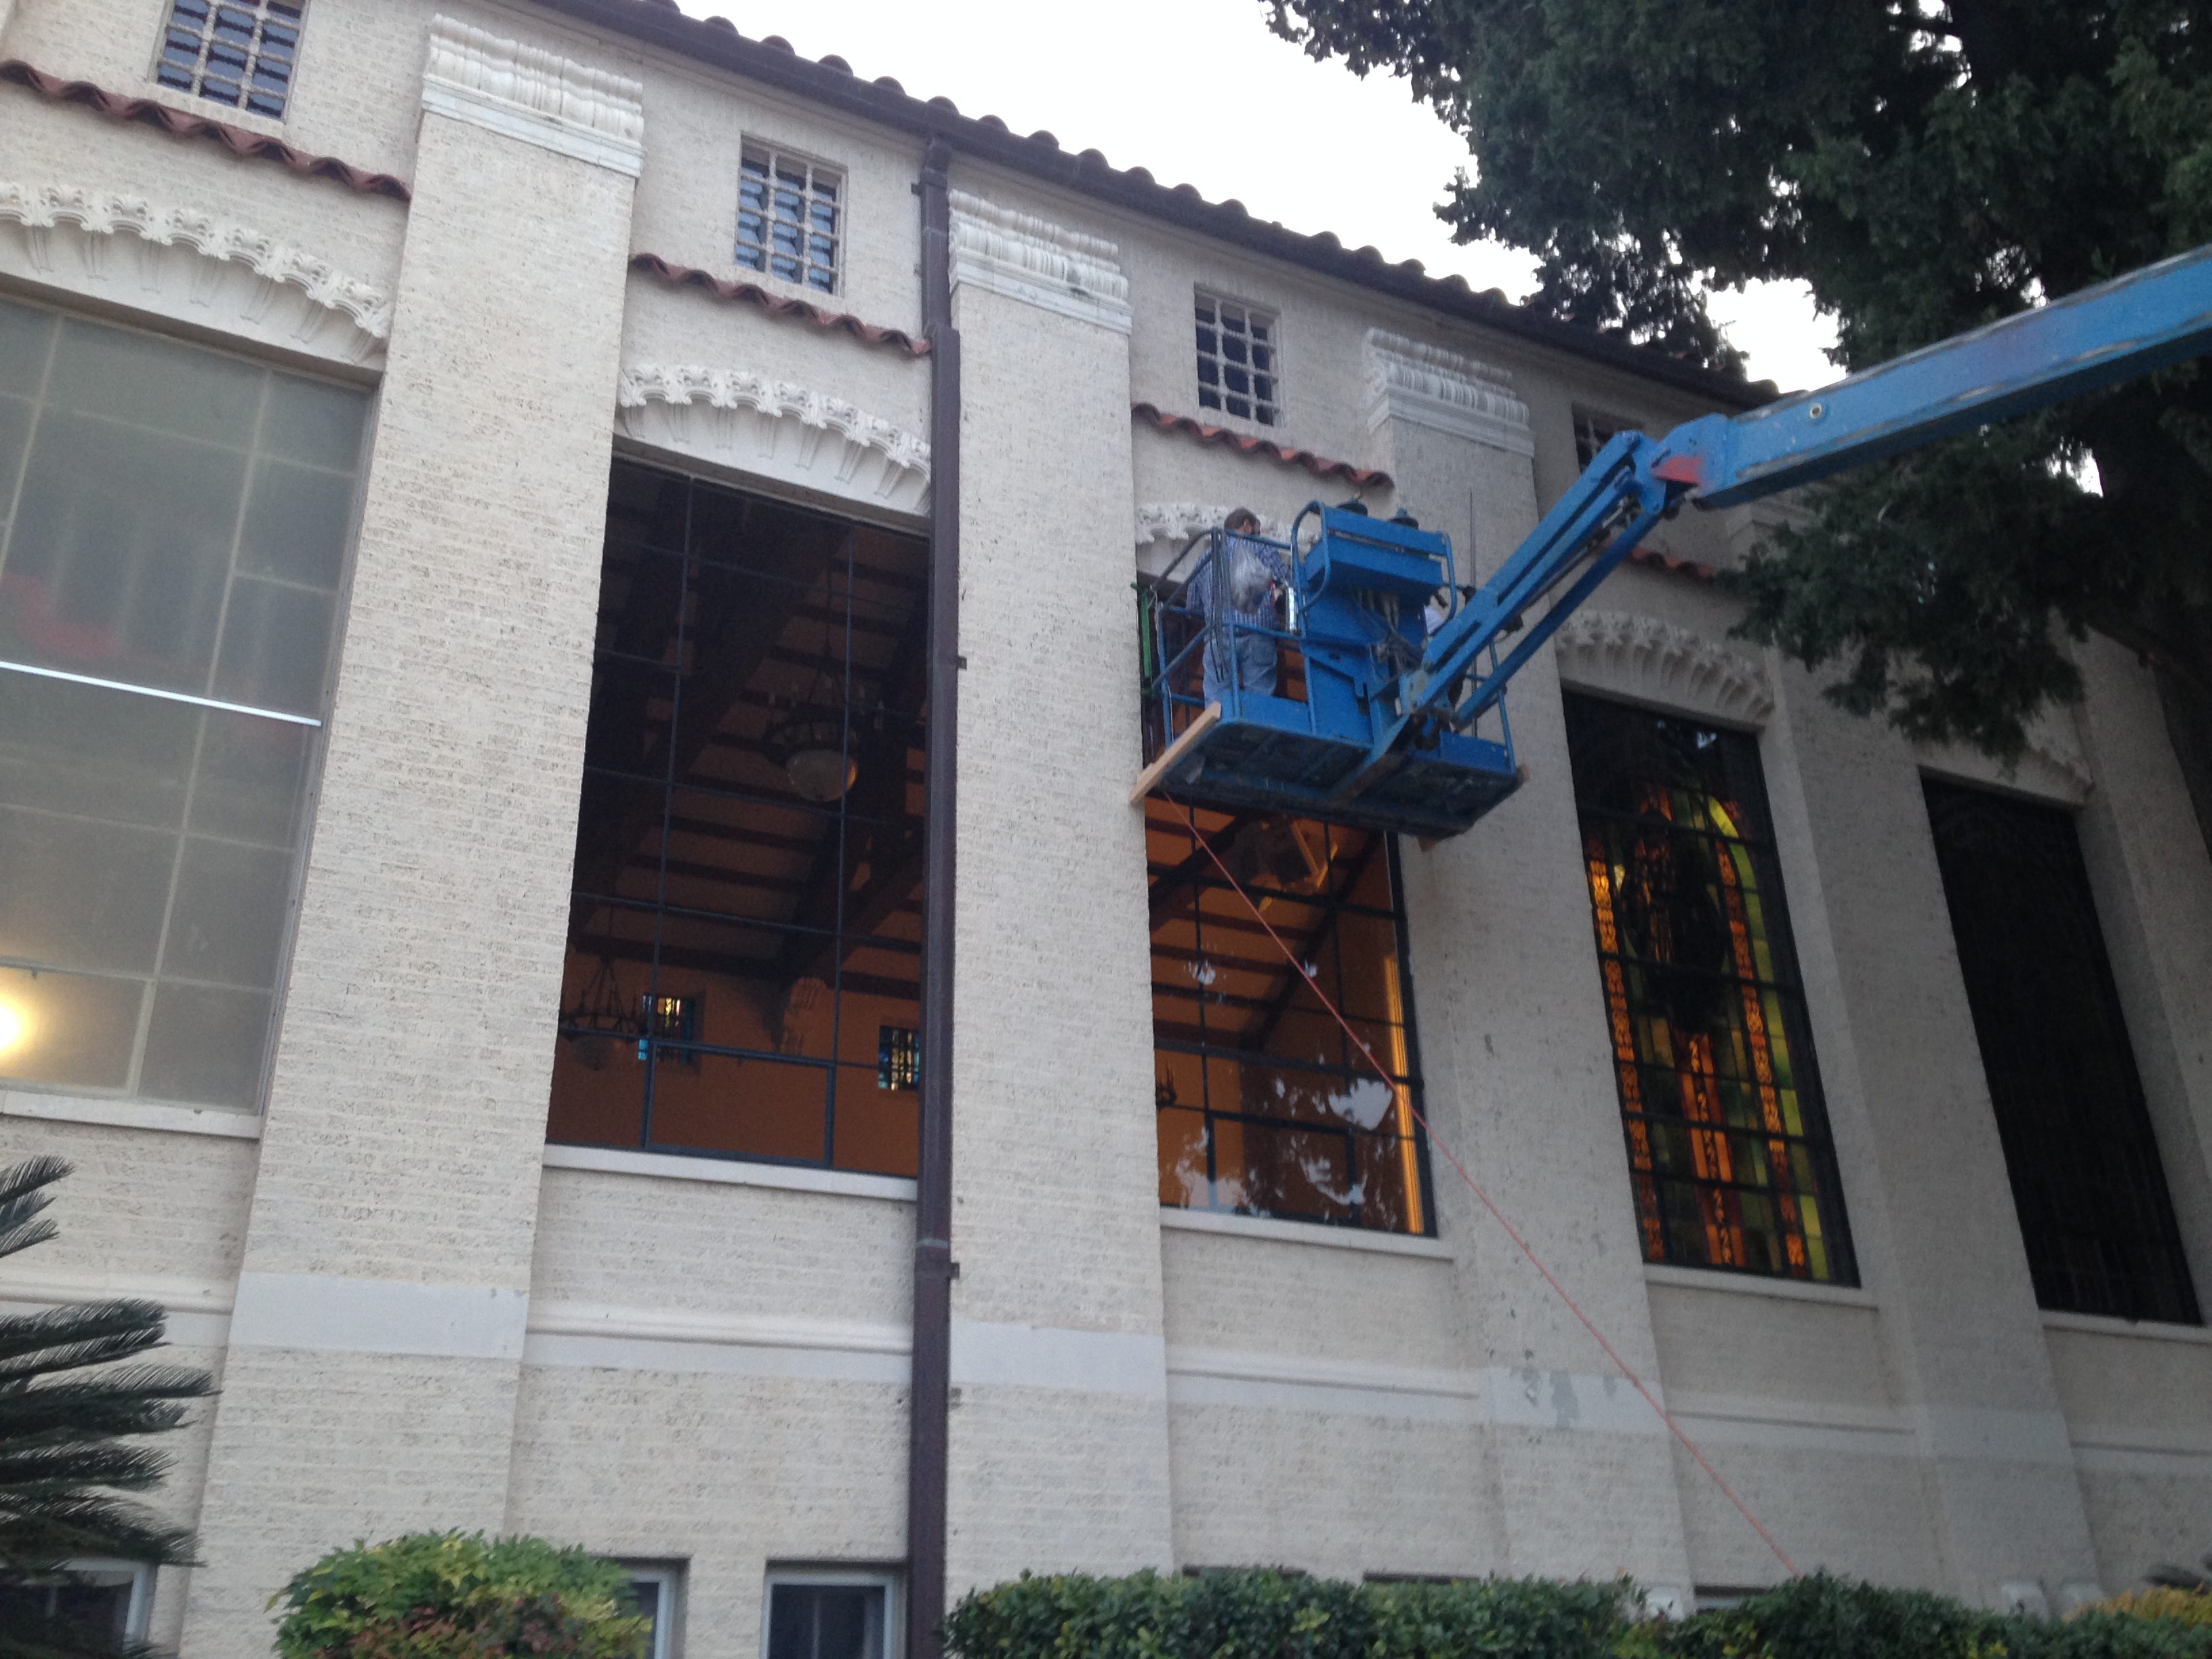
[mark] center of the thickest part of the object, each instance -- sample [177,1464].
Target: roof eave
[716,42]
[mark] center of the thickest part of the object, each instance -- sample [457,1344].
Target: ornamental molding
[1040,262]
[1657,662]
[1428,386]
[2051,767]
[772,428]
[1176,522]
[537,96]
[189,266]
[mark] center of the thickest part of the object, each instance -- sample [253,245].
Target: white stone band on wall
[189,265]
[1176,522]
[772,427]
[1655,662]
[1428,385]
[1038,262]
[537,96]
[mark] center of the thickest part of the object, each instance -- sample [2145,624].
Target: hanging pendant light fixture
[808,744]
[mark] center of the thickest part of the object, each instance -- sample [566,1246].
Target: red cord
[1474,1187]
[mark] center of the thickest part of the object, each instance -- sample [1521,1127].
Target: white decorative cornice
[1176,522]
[189,266]
[535,95]
[1035,260]
[1427,386]
[2051,766]
[775,429]
[1655,662]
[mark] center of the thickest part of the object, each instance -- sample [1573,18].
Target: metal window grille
[2080,1154]
[1593,432]
[745,920]
[789,217]
[1237,369]
[173,525]
[1264,1107]
[1729,1151]
[239,52]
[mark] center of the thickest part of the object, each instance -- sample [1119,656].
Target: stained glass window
[1264,1106]
[2094,1208]
[1728,1147]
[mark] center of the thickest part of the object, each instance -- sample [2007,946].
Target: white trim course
[1051,1357]
[191,266]
[1039,262]
[773,428]
[1654,661]
[329,1313]
[536,96]
[1426,385]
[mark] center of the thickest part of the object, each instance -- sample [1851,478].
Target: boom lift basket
[1354,601]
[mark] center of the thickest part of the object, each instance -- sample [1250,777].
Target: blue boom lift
[1402,725]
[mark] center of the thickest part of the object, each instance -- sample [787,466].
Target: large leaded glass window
[1727,1149]
[1265,1106]
[2090,1195]
[744,938]
[173,526]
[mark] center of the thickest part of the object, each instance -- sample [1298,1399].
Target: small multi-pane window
[789,217]
[831,1614]
[1728,1148]
[173,525]
[657,1587]
[1237,361]
[2079,1148]
[1593,432]
[232,51]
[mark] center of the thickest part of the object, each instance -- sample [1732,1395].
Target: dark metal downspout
[930,1396]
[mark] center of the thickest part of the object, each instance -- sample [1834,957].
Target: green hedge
[459,1595]
[1260,1614]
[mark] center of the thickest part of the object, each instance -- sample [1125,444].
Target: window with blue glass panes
[788,217]
[239,52]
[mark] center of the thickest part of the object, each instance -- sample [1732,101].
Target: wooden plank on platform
[1149,779]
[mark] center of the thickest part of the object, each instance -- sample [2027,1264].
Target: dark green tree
[70,1411]
[1925,166]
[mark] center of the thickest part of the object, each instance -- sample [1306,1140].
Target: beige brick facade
[425,1316]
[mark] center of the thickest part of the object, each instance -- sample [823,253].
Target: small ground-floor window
[745,932]
[1266,1105]
[657,1588]
[831,1613]
[92,1603]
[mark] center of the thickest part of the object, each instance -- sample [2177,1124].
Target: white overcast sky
[1310,144]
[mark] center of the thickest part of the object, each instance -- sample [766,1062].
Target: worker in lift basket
[1242,582]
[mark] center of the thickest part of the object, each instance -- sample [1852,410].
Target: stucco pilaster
[376,1343]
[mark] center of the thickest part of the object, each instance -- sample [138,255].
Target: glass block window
[790,217]
[1729,1153]
[1237,370]
[744,975]
[2091,1194]
[239,53]
[1264,1106]
[173,528]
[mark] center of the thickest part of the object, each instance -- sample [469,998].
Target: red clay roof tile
[118,108]
[777,305]
[1319,465]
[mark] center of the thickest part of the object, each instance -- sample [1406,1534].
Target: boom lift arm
[1399,751]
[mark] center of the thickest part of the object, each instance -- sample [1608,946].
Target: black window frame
[2066,1178]
[1780,990]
